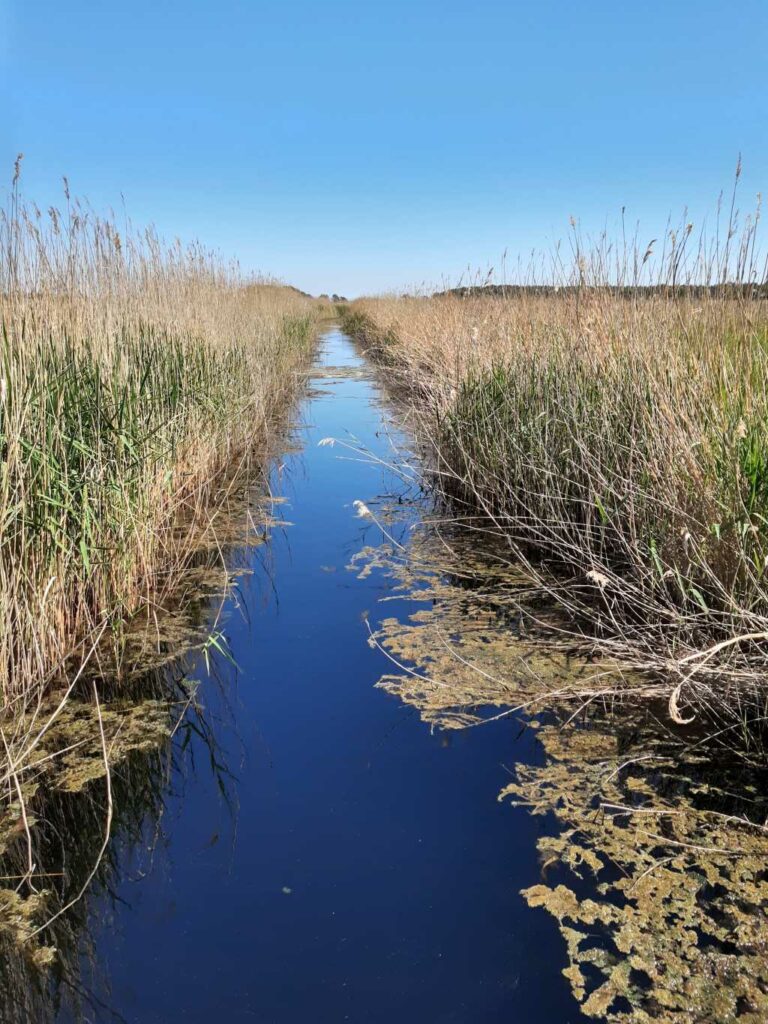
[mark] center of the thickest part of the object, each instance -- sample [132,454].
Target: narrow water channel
[342,862]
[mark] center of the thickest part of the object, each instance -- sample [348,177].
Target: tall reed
[608,415]
[133,377]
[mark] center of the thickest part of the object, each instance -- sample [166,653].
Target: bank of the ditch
[616,442]
[653,839]
[141,389]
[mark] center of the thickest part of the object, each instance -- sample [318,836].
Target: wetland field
[395,659]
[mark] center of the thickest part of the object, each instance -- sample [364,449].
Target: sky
[358,147]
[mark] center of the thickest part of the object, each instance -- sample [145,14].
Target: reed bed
[136,378]
[608,417]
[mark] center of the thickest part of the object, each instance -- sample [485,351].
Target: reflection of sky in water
[656,874]
[369,873]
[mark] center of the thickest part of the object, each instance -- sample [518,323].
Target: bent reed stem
[608,418]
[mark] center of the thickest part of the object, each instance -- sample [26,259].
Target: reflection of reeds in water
[654,852]
[46,918]
[142,387]
[95,785]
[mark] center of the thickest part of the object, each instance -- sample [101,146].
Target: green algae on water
[655,861]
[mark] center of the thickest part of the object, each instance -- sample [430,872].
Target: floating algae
[666,917]
[54,820]
[70,758]
[656,865]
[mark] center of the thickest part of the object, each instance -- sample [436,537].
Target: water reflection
[41,964]
[654,862]
[369,874]
[91,793]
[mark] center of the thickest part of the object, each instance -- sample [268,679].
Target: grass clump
[136,381]
[611,423]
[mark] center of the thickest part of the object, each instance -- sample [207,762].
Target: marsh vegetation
[652,841]
[135,376]
[585,534]
[608,420]
[142,386]
[593,438]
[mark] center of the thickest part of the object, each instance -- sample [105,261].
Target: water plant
[653,838]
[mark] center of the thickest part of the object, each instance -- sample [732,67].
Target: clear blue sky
[360,146]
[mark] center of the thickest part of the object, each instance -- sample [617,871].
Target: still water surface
[361,868]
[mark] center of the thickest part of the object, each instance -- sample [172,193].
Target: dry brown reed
[137,379]
[608,416]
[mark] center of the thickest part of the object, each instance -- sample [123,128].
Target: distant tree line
[694,291]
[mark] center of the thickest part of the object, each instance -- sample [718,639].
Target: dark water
[361,868]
